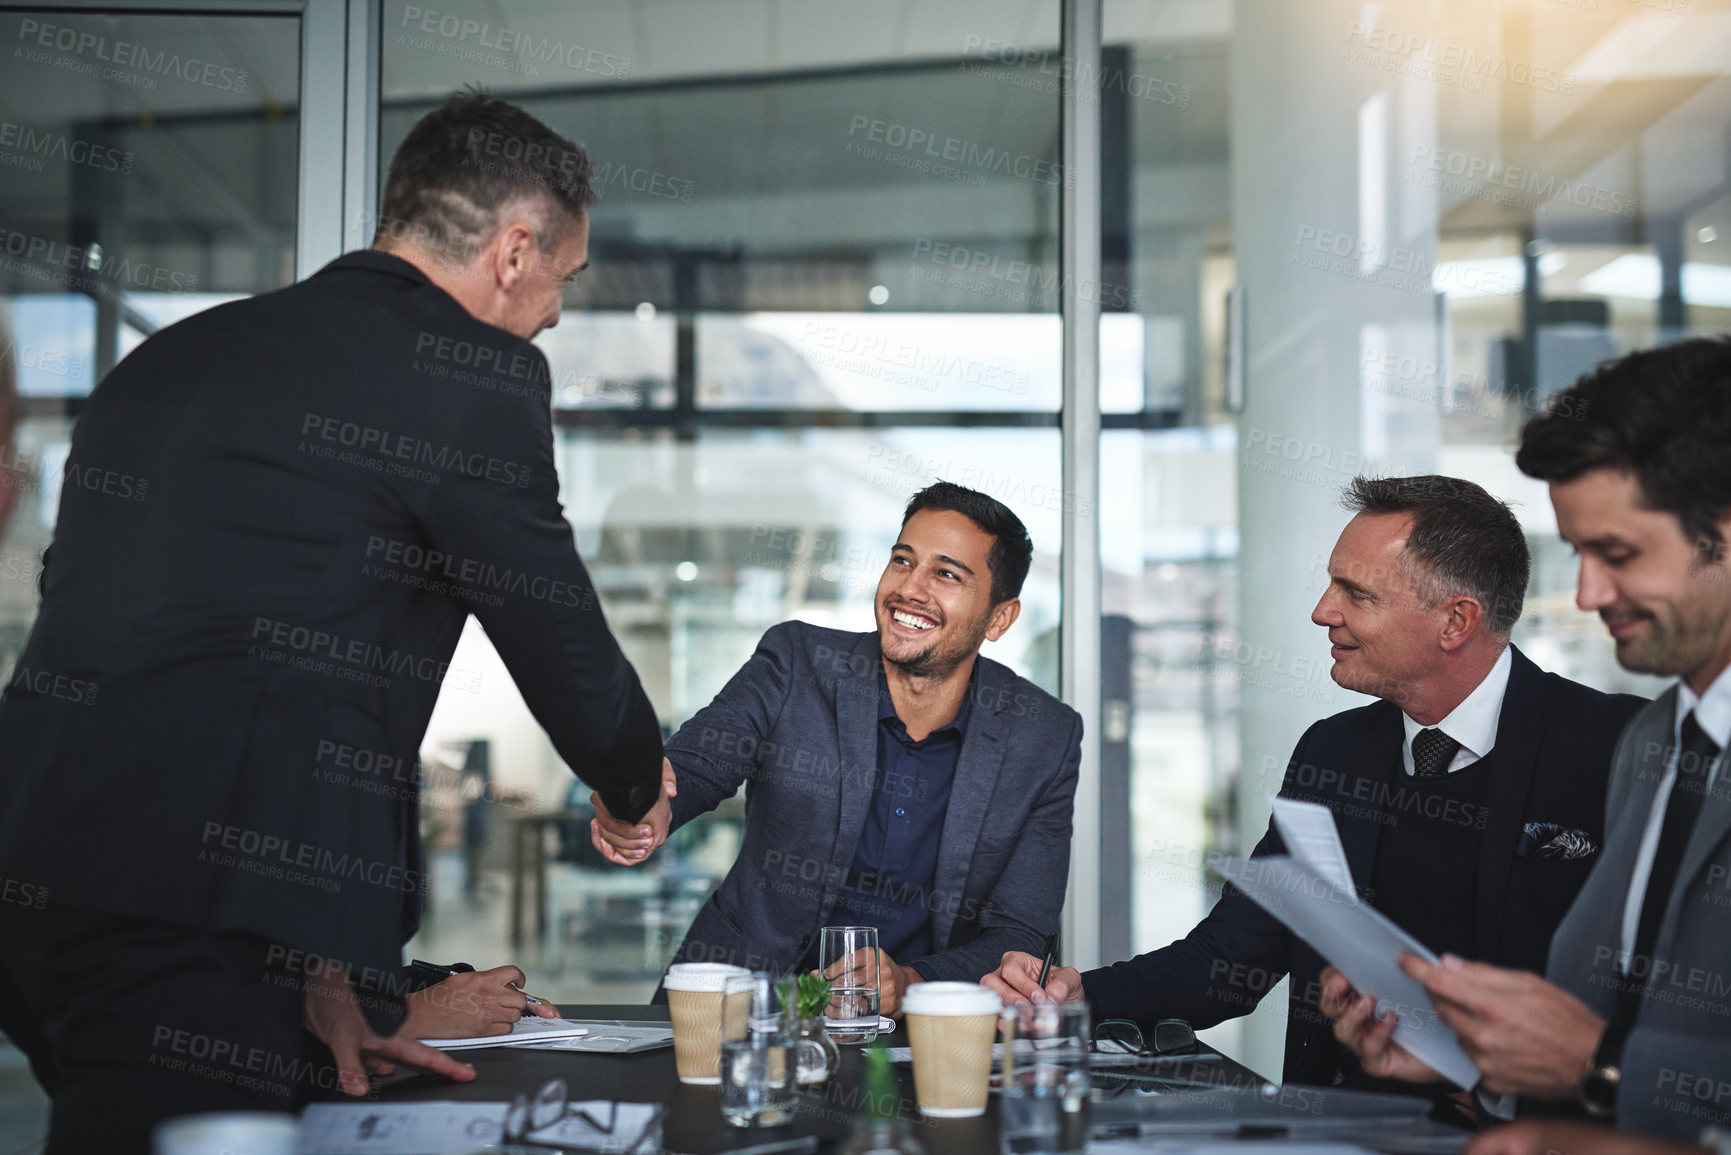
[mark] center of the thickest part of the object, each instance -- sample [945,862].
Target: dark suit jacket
[1553,750]
[798,725]
[275,518]
[1676,1061]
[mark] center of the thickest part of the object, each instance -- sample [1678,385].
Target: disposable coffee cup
[951,1027]
[226,1133]
[694,994]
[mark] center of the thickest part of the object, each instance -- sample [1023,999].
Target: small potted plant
[806,996]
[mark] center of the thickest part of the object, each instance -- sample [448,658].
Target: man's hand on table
[628,844]
[329,1012]
[893,979]
[1017,980]
[1549,1137]
[471,1006]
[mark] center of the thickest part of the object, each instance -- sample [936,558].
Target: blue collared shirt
[890,884]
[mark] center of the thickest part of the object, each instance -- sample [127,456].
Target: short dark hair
[1012,551]
[1663,415]
[468,157]
[1462,540]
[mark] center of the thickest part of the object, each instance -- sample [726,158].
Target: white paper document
[1362,943]
[528,1031]
[608,1037]
[1309,832]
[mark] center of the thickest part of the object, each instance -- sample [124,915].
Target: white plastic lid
[700,976]
[950,999]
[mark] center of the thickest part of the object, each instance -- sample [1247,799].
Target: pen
[533,1001]
[437,973]
[1051,953]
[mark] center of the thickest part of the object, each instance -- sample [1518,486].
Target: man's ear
[1004,615]
[513,255]
[1465,616]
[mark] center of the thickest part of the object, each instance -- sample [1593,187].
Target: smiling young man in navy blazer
[1469,800]
[894,779]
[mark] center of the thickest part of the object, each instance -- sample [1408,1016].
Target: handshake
[628,844]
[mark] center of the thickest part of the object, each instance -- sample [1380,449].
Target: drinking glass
[848,957]
[1044,1109]
[759,1067]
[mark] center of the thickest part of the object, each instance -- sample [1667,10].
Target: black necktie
[1688,790]
[1694,761]
[1432,751]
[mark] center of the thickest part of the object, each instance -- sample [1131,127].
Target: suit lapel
[970,797]
[856,710]
[1377,760]
[1519,728]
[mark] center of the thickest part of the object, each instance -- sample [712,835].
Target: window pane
[824,274]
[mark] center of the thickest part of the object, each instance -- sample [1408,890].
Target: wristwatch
[1598,1090]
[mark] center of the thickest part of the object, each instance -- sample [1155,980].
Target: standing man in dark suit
[894,779]
[276,516]
[1468,800]
[1634,1022]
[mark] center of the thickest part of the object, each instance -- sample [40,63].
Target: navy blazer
[1553,754]
[798,726]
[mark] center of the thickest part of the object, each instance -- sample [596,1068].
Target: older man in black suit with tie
[276,518]
[1469,800]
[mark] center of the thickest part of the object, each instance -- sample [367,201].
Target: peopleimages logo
[39,36]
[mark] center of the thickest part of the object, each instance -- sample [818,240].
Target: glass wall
[148,169]
[824,274]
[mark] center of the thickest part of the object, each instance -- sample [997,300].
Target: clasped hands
[1524,1035]
[630,844]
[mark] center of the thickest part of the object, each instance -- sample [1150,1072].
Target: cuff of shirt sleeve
[925,971]
[1500,1107]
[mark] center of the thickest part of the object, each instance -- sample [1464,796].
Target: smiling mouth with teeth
[910,621]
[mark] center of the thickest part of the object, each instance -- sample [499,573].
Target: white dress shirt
[1713,714]
[1473,723]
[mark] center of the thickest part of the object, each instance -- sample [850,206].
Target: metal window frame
[337,203]
[339,99]
[1079,214]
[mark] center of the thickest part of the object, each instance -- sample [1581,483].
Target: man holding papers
[1468,800]
[1635,1022]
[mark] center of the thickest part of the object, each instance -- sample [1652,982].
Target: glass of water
[759,1049]
[848,957]
[1044,1108]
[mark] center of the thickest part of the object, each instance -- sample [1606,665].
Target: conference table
[1217,1109]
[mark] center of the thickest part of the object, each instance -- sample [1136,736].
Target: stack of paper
[529,1031]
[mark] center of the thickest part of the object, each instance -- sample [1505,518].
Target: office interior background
[830,261]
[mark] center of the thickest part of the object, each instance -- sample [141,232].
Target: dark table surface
[694,1125]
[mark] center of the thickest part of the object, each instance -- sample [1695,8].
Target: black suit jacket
[1553,753]
[275,517]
